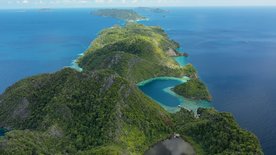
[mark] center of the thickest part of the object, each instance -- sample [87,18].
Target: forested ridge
[101,110]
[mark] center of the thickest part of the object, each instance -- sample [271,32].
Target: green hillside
[136,52]
[80,111]
[216,133]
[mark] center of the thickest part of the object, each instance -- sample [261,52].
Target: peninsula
[100,110]
[193,89]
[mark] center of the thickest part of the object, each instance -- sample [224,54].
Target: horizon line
[184,6]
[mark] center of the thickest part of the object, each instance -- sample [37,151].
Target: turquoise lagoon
[181,60]
[159,89]
[2,132]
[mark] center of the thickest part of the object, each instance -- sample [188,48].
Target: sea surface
[182,60]
[35,41]
[233,49]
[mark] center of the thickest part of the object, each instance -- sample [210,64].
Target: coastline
[185,103]
[188,104]
[183,79]
[167,90]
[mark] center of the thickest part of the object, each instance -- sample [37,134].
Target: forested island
[154,10]
[101,110]
[123,14]
[193,89]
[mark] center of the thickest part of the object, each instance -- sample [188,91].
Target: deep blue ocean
[33,42]
[234,50]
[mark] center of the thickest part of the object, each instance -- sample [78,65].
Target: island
[123,14]
[193,89]
[46,10]
[154,10]
[100,109]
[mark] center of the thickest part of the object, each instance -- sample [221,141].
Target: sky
[128,3]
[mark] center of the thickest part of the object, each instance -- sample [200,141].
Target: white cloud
[25,1]
[87,3]
[99,1]
[83,1]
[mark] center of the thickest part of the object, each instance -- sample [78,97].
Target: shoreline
[183,79]
[188,104]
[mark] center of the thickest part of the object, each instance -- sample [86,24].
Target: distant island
[46,9]
[154,10]
[123,14]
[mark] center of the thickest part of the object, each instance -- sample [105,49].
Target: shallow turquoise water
[182,60]
[2,132]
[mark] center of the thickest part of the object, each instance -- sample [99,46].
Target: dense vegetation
[215,133]
[124,14]
[193,89]
[136,52]
[79,112]
[101,111]
[154,10]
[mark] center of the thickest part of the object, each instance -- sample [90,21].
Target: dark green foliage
[29,142]
[190,71]
[124,14]
[130,66]
[104,150]
[193,89]
[86,109]
[216,133]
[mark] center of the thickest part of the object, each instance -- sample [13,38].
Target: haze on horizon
[6,4]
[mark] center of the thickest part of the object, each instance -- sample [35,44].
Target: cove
[159,89]
[181,60]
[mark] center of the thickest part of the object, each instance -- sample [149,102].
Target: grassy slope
[101,111]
